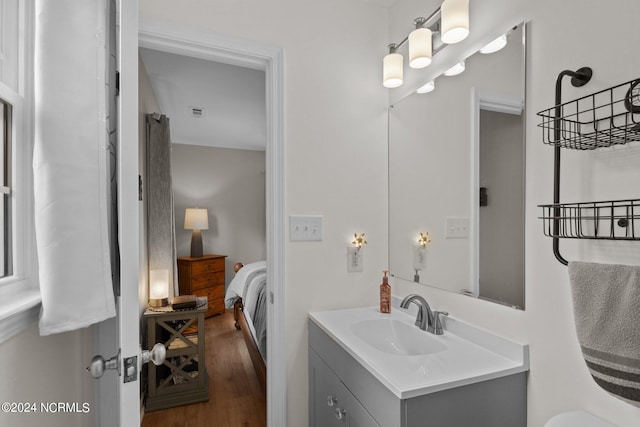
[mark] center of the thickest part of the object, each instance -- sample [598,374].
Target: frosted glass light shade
[196,219]
[420,49]
[495,45]
[158,288]
[392,69]
[426,88]
[455,20]
[455,70]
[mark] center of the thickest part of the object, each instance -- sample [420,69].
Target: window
[6,262]
[19,294]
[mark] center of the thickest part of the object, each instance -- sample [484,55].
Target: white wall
[335,144]
[231,185]
[561,36]
[47,369]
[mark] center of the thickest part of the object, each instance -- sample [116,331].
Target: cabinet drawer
[207,266]
[208,280]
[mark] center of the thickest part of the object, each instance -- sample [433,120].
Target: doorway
[218,48]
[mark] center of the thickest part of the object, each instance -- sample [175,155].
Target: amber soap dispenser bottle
[385,294]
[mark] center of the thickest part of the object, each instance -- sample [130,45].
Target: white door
[118,395]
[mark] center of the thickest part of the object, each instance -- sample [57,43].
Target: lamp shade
[495,45]
[392,68]
[196,219]
[456,69]
[158,288]
[420,50]
[427,87]
[455,20]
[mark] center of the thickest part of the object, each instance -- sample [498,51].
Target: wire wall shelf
[607,220]
[602,119]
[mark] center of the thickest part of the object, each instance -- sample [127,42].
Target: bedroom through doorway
[219,140]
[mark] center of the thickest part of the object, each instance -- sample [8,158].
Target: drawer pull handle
[331,400]
[341,414]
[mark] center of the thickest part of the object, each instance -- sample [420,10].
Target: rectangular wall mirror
[456,172]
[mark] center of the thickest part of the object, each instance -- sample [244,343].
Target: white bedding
[249,284]
[247,278]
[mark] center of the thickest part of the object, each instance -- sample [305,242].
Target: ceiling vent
[197,112]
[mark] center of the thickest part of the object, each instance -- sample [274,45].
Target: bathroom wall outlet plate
[419,257]
[355,259]
[457,228]
[305,228]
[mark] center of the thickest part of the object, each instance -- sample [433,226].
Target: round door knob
[156,355]
[96,367]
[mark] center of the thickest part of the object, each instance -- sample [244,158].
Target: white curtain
[71,157]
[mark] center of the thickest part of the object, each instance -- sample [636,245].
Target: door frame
[483,99]
[211,46]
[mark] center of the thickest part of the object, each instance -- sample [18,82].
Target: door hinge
[271,297]
[140,187]
[117,83]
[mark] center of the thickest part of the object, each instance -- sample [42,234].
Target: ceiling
[232,100]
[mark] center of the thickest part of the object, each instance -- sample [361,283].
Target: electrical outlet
[305,228]
[457,228]
[355,259]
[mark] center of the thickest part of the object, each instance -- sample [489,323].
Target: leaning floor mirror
[456,179]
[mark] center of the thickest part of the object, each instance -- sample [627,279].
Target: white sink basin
[411,362]
[395,337]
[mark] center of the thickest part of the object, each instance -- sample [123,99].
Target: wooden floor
[235,396]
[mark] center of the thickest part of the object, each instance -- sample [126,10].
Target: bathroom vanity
[373,369]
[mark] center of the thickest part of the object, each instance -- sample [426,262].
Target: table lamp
[196,219]
[158,288]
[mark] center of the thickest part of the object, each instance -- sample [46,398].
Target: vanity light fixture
[446,25]
[495,45]
[455,70]
[420,45]
[455,21]
[392,68]
[426,88]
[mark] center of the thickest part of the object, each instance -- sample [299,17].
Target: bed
[247,294]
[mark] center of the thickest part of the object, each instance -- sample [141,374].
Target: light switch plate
[305,228]
[457,228]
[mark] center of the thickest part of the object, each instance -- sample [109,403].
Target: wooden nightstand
[205,277]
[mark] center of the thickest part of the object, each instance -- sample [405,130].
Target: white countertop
[471,355]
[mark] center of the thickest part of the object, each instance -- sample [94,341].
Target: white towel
[606,305]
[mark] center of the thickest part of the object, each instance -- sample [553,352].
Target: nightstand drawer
[208,280]
[207,266]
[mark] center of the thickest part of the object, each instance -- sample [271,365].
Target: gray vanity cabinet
[344,393]
[332,403]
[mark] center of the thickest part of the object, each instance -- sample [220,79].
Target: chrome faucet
[426,319]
